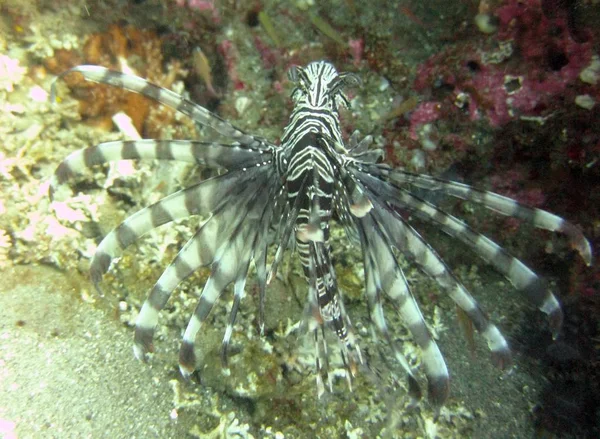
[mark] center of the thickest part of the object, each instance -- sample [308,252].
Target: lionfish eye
[343,81]
[297,75]
[293,73]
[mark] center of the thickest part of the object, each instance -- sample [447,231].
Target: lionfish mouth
[287,195]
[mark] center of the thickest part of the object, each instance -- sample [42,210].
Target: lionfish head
[320,85]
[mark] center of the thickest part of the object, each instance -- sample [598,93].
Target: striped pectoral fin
[372,291]
[216,155]
[501,204]
[117,150]
[113,244]
[520,276]
[260,262]
[537,217]
[219,240]
[537,291]
[409,242]
[165,97]
[259,252]
[578,241]
[198,252]
[187,356]
[237,297]
[145,324]
[235,248]
[200,199]
[231,259]
[243,252]
[435,367]
[384,274]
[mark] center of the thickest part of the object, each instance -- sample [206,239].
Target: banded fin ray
[499,203]
[517,273]
[217,242]
[165,97]
[373,252]
[199,199]
[214,155]
[408,241]
[230,262]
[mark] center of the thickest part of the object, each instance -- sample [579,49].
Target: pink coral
[553,62]
[201,5]
[268,55]
[512,183]
[426,112]
[357,48]
[229,53]
[545,78]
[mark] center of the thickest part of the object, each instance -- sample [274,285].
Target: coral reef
[515,110]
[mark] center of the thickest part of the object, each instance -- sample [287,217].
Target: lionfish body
[287,195]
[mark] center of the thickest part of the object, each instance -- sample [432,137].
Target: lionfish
[287,195]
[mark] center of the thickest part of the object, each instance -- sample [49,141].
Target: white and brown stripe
[265,192]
